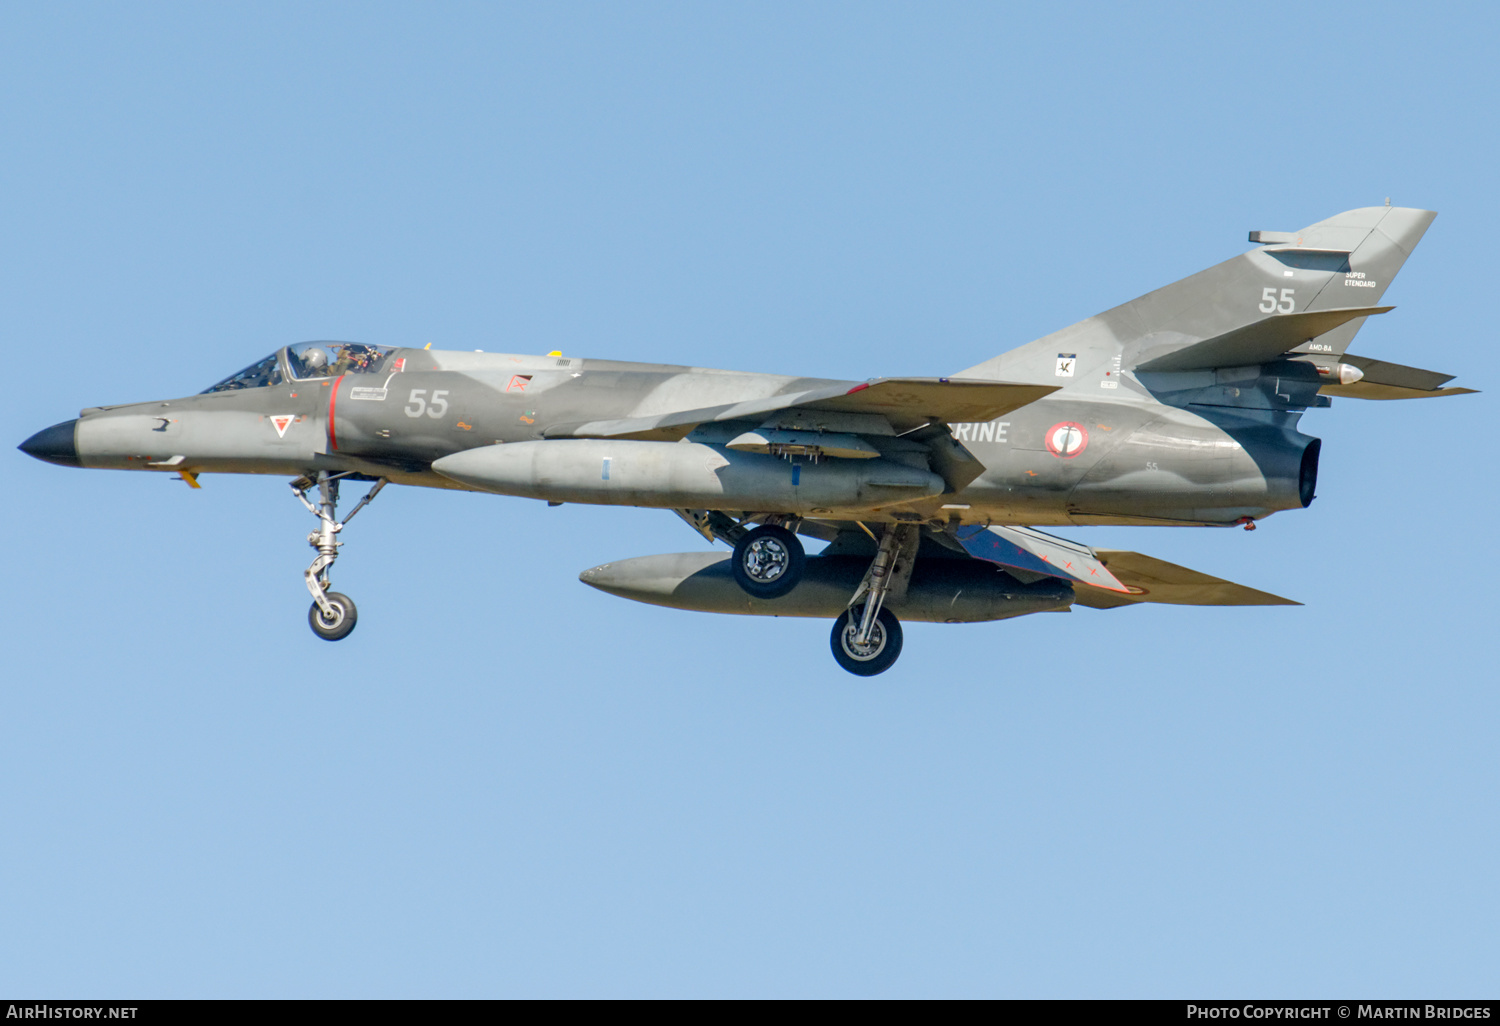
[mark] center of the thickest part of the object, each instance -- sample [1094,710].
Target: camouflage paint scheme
[1180,407]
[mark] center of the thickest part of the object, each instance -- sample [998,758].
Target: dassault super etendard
[1180,407]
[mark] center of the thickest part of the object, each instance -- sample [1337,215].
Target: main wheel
[879,654]
[768,562]
[332,628]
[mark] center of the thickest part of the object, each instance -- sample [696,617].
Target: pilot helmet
[315,360]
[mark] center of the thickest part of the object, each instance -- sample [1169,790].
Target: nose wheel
[337,621]
[333,614]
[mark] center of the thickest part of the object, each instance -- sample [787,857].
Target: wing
[905,404]
[1113,578]
[1155,580]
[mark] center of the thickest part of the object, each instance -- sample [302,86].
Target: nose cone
[54,444]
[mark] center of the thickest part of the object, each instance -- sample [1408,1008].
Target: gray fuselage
[1127,458]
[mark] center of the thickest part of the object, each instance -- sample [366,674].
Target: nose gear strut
[332,615]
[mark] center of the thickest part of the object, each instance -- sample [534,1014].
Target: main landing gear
[866,637]
[332,615]
[768,561]
[877,653]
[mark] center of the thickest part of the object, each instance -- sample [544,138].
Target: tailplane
[1381,380]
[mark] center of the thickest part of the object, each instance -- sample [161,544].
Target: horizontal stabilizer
[1257,343]
[907,403]
[1154,580]
[1021,548]
[1393,381]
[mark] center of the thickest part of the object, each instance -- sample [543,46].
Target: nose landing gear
[332,615]
[338,621]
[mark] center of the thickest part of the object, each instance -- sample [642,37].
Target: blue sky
[507,784]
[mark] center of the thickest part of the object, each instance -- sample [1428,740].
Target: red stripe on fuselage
[333,395]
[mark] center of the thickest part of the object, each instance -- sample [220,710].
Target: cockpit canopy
[308,360]
[257,375]
[330,359]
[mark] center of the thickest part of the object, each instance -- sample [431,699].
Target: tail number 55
[1269,303]
[418,403]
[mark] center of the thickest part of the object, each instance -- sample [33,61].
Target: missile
[685,475]
[941,590]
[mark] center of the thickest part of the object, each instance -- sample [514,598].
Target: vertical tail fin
[1378,241]
[1346,261]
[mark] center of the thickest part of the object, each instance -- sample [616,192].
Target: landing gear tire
[876,657]
[337,626]
[768,562]
[332,615]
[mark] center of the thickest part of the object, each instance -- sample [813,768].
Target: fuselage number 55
[1269,303]
[418,403]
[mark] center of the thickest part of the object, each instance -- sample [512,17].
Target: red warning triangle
[281,423]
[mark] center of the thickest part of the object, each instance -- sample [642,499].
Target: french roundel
[1067,440]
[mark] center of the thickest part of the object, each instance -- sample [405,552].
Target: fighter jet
[1181,407]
